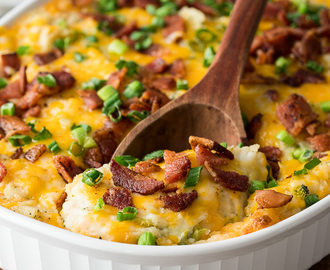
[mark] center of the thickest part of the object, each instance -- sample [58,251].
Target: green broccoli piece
[301,192]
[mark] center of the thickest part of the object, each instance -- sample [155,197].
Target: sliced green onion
[106,92]
[93,84]
[300,172]
[224,144]
[62,23]
[195,46]
[44,134]
[136,116]
[142,40]
[99,205]
[245,119]
[305,155]
[111,103]
[193,177]
[240,145]
[151,9]
[60,44]
[205,35]
[128,213]
[158,22]
[167,9]
[79,57]
[118,47]
[115,115]
[269,175]
[126,160]
[224,8]
[86,127]
[312,164]
[3,83]
[134,89]
[8,109]
[257,185]
[106,6]
[272,184]
[92,177]
[130,65]
[47,80]
[19,140]
[76,149]
[89,142]
[93,39]
[312,65]
[297,153]
[154,154]
[147,238]
[325,106]
[182,85]
[286,138]
[311,199]
[54,148]
[281,65]
[23,50]
[209,55]
[104,27]
[79,134]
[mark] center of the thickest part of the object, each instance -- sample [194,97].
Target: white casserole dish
[295,243]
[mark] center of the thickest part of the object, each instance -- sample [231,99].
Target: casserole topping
[82,73]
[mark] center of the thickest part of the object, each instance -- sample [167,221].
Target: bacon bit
[324,17]
[119,129]
[157,66]
[30,99]
[178,202]
[230,180]
[309,48]
[211,145]
[18,152]
[10,64]
[125,3]
[302,76]
[116,78]
[311,127]
[204,154]
[327,121]
[91,99]
[12,90]
[271,199]
[105,139]
[265,57]
[155,50]
[254,126]
[118,197]
[35,152]
[272,94]
[3,171]
[80,3]
[272,153]
[126,30]
[207,10]
[275,168]
[110,21]
[174,28]
[178,69]
[154,99]
[295,113]
[66,167]
[13,125]
[93,157]
[255,78]
[34,111]
[60,201]
[47,57]
[144,3]
[320,142]
[64,79]
[176,166]
[273,9]
[133,181]
[164,83]
[147,166]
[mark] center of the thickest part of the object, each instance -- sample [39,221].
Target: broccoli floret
[301,192]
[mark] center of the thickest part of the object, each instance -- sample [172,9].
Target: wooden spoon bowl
[211,108]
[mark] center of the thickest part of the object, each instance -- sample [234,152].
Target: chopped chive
[78,57]
[205,35]
[134,89]
[311,199]
[312,65]
[3,83]
[286,138]
[92,177]
[257,185]
[93,84]
[106,92]
[136,116]
[60,44]
[118,47]
[126,160]
[142,40]
[209,55]
[312,164]
[93,39]
[224,144]
[23,50]
[47,80]
[8,109]
[300,172]
[44,134]
[76,149]
[182,85]
[54,148]
[79,134]
[147,238]
[325,106]
[130,65]
[193,177]
[128,213]
[99,205]
[281,65]
[154,154]
[19,140]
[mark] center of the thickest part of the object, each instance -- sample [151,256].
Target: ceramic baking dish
[295,243]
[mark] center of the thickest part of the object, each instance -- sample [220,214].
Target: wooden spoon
[210,109]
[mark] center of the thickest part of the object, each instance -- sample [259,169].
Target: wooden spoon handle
[220,85]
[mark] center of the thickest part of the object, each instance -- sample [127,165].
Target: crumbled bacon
[254,126]
[93,157]
[13,125]
[107,22]
[47,57]
[207,10]
[118,197]
[176,166]
[255,78]
[91,99]
[154,98]
[311,127]
[10,64]
[105,139]
[273,9]
[34,153]
[60,201]
[66,167]
[157,66]
[271,199]
[275,168]
[18,152]
[230,180]
[81,3]
[211,145]
[147,166]
[327,121]
[295,113]
[116,78]
[324,17]
[302,76]
[271,152]
[133,181]
[119,129]
[126,30]
[64,79]
[320,142]
[3,171]
[174,27]
[178,69]
[144,3]
[155,50]
[164,83]
[272,94]
[309,48]
[204,154]
[178,202]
